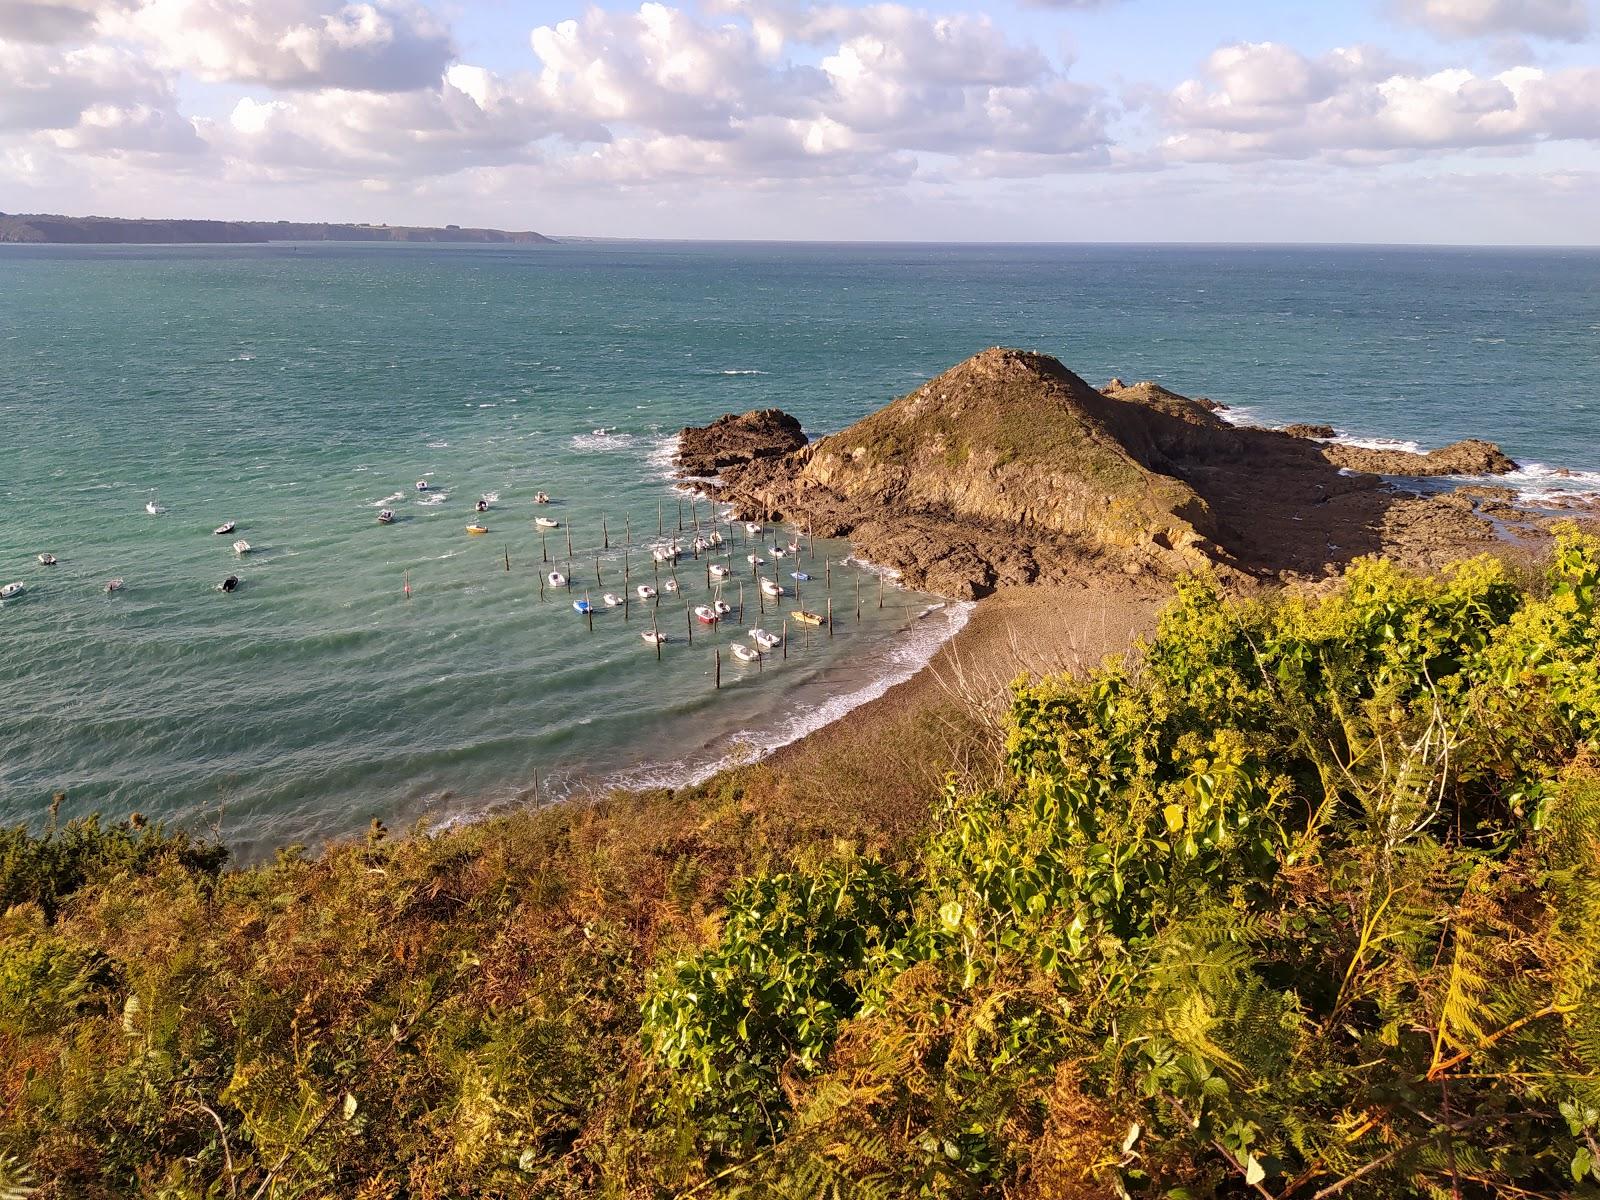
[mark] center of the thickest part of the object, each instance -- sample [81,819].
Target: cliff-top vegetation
[1298,902]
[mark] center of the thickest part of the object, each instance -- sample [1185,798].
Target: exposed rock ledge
[731,440]
[1009,468]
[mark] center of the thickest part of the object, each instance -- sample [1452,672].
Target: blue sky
[1465,121]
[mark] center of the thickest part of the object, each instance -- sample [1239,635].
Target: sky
[1396,121]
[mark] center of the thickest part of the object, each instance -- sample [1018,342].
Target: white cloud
[385,45]
[52,20]
[1566,20]
[47,88]
[1264,100]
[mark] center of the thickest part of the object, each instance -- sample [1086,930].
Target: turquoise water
[298,389]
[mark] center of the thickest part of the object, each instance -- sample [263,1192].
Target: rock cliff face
[1009,469]
[731,440]
[1471,457]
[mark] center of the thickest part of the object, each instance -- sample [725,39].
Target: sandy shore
[1017,631]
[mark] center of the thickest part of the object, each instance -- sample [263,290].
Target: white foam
[1538,482]
[602,443]
[388,500]
[428,499]
[743,372]
[438,445]
[663,456]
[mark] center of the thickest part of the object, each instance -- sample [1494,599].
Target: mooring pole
[544,546]
[605,535]
[719,670]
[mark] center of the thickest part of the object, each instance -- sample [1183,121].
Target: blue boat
[800,575]
[582,607]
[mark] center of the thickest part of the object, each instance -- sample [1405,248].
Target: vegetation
[1296,904]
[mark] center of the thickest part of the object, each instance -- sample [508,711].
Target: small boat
[541,497]
[582,607]
[716,538]
[386,517]
[670,585]
[475,530]
[241,547]
[701,544]
[422,485]
[799,576]
[646,592]
[557,579]
[718,571]
[225,528]
[113,585]
[546,523]
[779,552]
[152,506]
[771,587]
[794,547]
[705,615]
[612,600]
[230,584]
[664,554]
[483,505]
[753,529]
[655,637]
[808,618]
[767,641]
[47,560]
[11,591]
[755,560]
[745,654]
[721,607]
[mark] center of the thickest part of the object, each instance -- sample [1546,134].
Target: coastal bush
[1298,901]
[1293,905]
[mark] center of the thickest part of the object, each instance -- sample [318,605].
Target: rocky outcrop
[1314,432]
[732,440]
[1009,468]
[1471,457]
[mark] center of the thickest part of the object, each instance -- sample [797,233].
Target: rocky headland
[50,228]
[1009,469]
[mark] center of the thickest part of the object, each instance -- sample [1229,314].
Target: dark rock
[732,440]
[1309,431]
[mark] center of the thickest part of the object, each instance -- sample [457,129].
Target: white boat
[705,614]
[771,587]
[547,523]
[753,529]
[646,592]
[225,528]
[779,552]
[151,505]
[655,637]
[794,547]
[113,585]
[701,544]
[557,579]
[670,585]
[422,485]
[716,538]
[718,571]
[664,554]
[386,517]
[11,591]
[721,607]
[241,547]
[745,654]
[582,607]
[541,497]
[612,600]
[47,560]
[767,641]
[755,560]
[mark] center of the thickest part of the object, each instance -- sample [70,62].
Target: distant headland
[45,228]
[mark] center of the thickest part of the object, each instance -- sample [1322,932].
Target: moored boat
[47,560]
[745,654]
[705,614]
[799,576]
[229,584]
[12,590]
[752,528]
[582,607]
[241,547]
[612,600]
[386,517]
[767,641]
[803,617]
[557,579]
[646,592]
[422,485]
[547,523]
[771,587]
[476,530]
[655,637]
[755,560]
[113,585]
[226,527]
[718,571]
[670,586]
[721,607]
[541,498]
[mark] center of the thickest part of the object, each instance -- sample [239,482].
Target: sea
[414,672]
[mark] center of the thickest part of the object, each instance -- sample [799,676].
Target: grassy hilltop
[1299,902]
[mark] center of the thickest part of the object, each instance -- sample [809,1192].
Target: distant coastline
[51,229]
